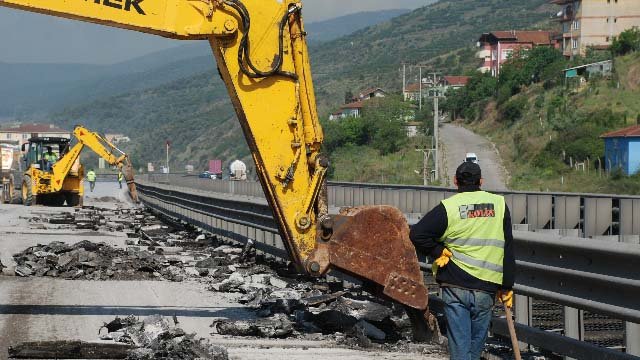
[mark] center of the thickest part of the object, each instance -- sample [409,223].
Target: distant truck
[9,167]
[238,171]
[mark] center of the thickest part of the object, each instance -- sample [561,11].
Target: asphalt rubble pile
[155,337]
[95,261]
[292,306]
[152,250]
[287,305]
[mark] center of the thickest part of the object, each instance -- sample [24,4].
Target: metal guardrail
[578,273]
[579,215]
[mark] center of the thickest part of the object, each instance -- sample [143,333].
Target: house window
[8,136]
[506,54]
[576,25]
[25,136]
[574,44]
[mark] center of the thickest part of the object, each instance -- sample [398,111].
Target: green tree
[626,42]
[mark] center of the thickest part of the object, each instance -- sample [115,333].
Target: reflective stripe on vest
[475,234]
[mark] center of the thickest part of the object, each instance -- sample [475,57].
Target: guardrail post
[573,324]
[632,338]
[523,312]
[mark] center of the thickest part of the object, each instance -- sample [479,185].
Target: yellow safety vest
[120,176]
[51,157]
[475,234]
[91,176]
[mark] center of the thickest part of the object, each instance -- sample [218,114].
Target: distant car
[472,157]
[208,175]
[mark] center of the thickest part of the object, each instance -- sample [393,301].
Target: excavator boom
[261,51]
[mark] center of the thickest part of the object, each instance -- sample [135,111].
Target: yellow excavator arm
[101,146]
[261,51]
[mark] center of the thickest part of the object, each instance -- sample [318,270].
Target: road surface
[457,142]
[41,309]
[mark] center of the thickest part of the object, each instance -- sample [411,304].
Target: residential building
[413,128]
[602,68]
[368,94]
[412,92]
[497,47]
[622,150]
[117,138]
[594,23]
[353,109]
[453,82]
[21,133]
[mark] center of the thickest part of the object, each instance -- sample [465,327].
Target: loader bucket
[373,243]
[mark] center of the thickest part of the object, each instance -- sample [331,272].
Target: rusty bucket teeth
[373,243]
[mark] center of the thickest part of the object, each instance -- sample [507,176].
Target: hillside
[332,29]
[185,112]
[33,90]
[545,128]
[372,57]
[196,109]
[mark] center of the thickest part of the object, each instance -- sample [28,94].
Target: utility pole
[420,85]
[168,145]
[404,78]
[436,124]
[436,130]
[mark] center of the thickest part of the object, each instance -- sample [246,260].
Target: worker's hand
[444,258]
[506,298]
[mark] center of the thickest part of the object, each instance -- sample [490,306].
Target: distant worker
[50,158]
[91,177]
[469,236]
[120,178]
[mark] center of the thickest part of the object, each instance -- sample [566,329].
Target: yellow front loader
[54,175]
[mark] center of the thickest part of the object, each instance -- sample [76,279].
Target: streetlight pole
[168,145]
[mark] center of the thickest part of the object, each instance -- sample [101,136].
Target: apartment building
[21,133]
[594,23]
[497,47]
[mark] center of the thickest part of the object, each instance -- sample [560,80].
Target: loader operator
[50,158]
[470,237]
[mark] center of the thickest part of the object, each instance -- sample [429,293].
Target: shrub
[512,111]
[626,42]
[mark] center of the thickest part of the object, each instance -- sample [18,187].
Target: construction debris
[90,261]
[156,338]
[151,338]
[68,350]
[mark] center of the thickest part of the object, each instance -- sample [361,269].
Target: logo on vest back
[477,211]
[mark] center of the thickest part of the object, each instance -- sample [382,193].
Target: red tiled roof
[536,37]
[370,91]
[353,105]
[413,88]
[34,128]
[457,80]
[632,131]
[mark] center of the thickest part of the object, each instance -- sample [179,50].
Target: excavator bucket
[373,243]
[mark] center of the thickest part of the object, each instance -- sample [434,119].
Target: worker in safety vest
[469,236]
[120,178]
[50,158]
[91,177]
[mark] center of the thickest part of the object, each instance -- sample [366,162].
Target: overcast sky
[26,37]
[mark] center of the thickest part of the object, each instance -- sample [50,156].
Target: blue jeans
[468,318]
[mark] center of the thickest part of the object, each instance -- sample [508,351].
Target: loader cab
[34,151]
